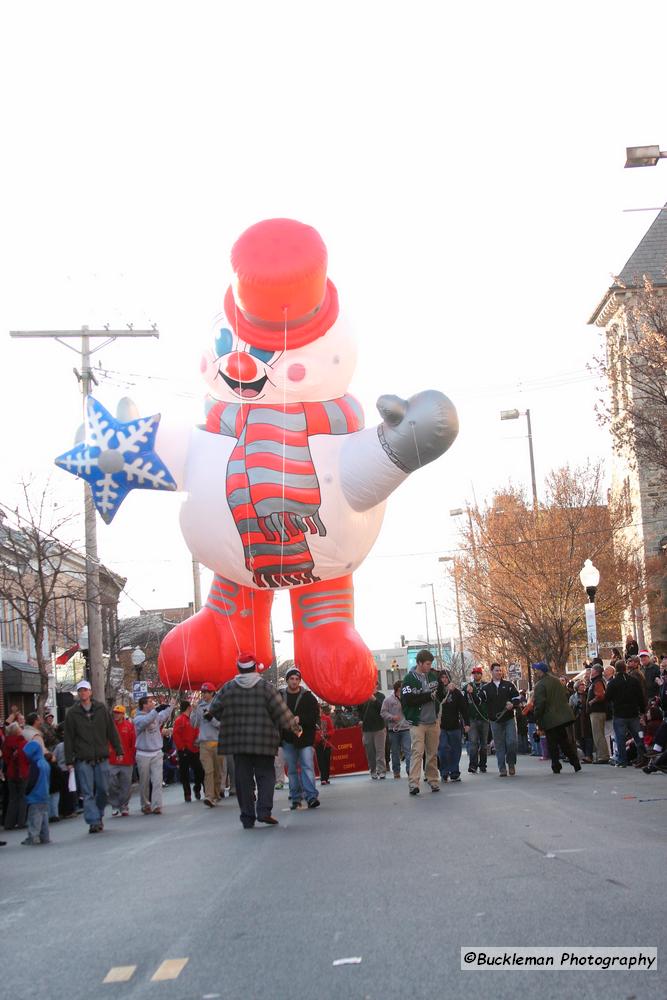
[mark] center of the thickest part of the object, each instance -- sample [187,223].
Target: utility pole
[428,638]
[514,415]
[455,574]
[85,378]
[458,619]
[437,629]
[196,582]
[532,461]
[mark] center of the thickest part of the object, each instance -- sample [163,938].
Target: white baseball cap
[84,684]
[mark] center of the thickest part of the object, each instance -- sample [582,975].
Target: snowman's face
[236,371]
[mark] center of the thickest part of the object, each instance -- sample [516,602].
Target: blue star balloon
[117,457]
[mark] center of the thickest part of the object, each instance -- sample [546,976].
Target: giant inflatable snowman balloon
[285,488]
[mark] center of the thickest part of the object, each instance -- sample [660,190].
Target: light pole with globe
[590,579]
[138,659]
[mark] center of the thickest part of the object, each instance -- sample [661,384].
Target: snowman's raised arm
[413,433]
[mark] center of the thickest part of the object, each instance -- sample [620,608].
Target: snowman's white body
[353,473]
[210,532]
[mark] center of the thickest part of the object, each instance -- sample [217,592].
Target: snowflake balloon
[116,457]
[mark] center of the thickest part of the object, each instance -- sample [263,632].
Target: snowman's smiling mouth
[246,390]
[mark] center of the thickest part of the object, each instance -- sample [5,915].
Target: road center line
[170,969]
[120,974]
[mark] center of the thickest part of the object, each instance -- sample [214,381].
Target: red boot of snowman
[333,658]
[205,647]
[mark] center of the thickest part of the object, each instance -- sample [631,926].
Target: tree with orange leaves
[519,574]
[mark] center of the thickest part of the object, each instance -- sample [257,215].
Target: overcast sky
[464,164]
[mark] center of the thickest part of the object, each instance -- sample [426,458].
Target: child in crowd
[37,795]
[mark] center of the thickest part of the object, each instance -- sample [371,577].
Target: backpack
[33,776]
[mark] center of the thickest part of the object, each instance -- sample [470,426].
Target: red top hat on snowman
[280,297]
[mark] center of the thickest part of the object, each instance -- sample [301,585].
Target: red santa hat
[246,663]
[280,297]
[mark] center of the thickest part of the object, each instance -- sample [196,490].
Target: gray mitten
[416,431]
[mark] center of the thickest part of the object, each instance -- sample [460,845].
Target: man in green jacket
[89,730]
[554,715]
[420,707]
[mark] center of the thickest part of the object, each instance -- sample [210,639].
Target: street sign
[514,671]
[139,690]
[412,654]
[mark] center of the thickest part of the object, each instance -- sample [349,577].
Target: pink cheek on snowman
[296,373]
[203,364]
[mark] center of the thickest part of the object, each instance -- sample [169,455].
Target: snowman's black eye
[257,352]
[223,342]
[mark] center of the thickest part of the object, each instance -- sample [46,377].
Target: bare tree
[37,569]
[147,632]
[519,577]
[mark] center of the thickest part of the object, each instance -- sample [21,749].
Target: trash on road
[356,960]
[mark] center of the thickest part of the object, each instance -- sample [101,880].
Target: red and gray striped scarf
[272,487]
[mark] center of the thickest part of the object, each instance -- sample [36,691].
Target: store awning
[20,678]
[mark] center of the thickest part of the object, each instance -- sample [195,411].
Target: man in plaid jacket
[251,715]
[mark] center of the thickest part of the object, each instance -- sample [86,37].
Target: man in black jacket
[374,735]
[453,718]
[501,697]
[298,748]
[89,730]
[626,697]
[650,672]
[478,733]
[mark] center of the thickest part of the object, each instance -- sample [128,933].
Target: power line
[123,380]
[521,541]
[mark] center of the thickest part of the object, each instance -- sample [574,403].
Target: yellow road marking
[171,969]
[119,974]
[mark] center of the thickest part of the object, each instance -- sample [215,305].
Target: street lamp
[138,659]
[590,578]
[514,415]
[643,156]
[458,512]
[428,641]
[451,559]
[435,615]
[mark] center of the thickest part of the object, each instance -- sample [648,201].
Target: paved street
[401,883]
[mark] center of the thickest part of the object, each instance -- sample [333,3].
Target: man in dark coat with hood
[251,715]
[554,715]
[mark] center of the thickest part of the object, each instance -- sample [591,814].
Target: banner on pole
[139,690]
[591,630]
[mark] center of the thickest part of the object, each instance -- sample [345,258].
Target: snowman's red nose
[241,367]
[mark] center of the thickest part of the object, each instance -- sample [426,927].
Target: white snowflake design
[117,457]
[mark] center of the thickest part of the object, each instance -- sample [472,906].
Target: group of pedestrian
[247,732]
[89,759]
[426,719]
[241,730]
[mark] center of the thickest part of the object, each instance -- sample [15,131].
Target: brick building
[640,486]
[20,681]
